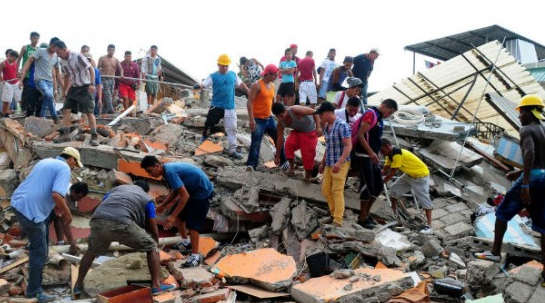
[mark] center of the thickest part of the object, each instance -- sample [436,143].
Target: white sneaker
[427,231]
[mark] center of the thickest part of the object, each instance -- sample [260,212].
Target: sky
[192,34]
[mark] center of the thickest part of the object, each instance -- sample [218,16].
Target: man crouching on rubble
[121,217]
[529,188]
[191,192]
[32,202]
[416,177]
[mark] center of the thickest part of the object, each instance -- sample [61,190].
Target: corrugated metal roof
[451,46]
[506,108]
[443,88]
[538,73]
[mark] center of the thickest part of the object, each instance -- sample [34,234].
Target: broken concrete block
[349,232]
[206,245]
[194,276]
[280,214]
[438,272]
[304,220]
[208,147]
[259,233]
[481,272]
[460,229]
[212,297]
[528,275]
[39,127]
[393,239]
[264,267]
[4,287]
[431,248]
[518,292]
[388,256]
[167,297]
[8,182]
[329,289]
[455,218]
[122,177]
[218,161]
[538,295]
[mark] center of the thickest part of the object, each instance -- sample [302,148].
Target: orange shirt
[263,101]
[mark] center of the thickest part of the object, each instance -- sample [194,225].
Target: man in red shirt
[307,80]
[128,84]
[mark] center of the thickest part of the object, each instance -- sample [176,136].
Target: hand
[64,93]
[277,160]
[169,222]
[319,132]
[525,196]
[252,125]
[336,168]
[21,84]
[373,157]
[319,85]
[91,89]
[321,167]
[513,175]
[67,218]
[296,86]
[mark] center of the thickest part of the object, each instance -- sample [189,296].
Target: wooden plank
[13,265]
[74,269]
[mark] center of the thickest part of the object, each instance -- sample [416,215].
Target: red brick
[212,297]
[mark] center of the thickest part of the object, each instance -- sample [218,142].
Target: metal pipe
[148,80]
[123,114]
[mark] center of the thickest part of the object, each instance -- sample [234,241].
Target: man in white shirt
[354,89]
[351,112]
[326,68]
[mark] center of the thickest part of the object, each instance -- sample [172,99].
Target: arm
[388,173]
[120,69]
[99,93]
[528,156]
[321,77]
[244,71]
[364,128]
[288,71]
[319,131]
[92,88]
[315,76]
[57,79]
[151,227]
[184,197]
[23,50]
[245,88]
[61,207]
[26,67]
[66,84]
[335,75]
[250,105]
[279,141]
[258,63]
[347,143]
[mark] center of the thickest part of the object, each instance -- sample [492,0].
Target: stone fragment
[264,267]
[194,277]
[217,161]
[342,273]
[388,256]
[167,297]
[280,214]
[211,297]
[8,182]
[330,289]
[39,127]
[518,292]
[259,233]
[349,232]
[460,229]
[431,248]
[538,295]
[528,275]
[304,220]
[481,272]
[4,287]
[454,218]
[438,272]
[208,147]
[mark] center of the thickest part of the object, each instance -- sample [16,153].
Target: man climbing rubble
[190,194]
[79,87]
[223,84]
[416,177]
[529,188]
[122,216]
[32,202]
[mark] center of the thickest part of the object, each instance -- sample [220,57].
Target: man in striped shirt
[79,88]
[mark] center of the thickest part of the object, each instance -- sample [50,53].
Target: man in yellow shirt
[415,177]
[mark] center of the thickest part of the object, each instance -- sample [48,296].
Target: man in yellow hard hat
[223,84]
[529,188]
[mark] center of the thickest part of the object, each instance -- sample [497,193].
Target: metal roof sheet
[456,88]
[451,46]
[538,73]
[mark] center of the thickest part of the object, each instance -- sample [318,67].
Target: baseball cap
[88,55]
[293,46]
[375,50]
[269,69]
[325,107]
[44,45]
[74,153]
[354,82]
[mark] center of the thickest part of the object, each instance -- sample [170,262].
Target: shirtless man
[107,66]
[529,188]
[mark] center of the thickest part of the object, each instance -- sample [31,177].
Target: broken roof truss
[454,89]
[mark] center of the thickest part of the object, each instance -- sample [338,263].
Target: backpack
[357,124]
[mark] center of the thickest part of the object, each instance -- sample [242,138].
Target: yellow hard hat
[530,100]
[223,59]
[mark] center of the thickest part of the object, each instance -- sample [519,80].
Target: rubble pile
[269,238]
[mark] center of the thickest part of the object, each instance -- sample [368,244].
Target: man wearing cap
[528,190]
[416,177]
[79,88]
[26,52]
[259,106]
[32,202]
[336,160]
[108,65]
[363,66]
[152,72]
[351,112]
[307,81]
[127,87]
[339,74]
[354,89]
[223,84]
[46,76]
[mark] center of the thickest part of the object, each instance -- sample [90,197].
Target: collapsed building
[268,237]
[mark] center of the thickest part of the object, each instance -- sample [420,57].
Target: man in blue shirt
[122,216]
[32,202]
[362,68]
[191,192]
[223,84]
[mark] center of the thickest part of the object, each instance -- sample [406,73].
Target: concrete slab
[329,289]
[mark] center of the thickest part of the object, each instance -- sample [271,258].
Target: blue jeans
[48,101]
[262,127]
[38,237]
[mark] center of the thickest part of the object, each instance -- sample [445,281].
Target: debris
[126,294]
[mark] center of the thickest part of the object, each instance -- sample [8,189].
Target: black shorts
[286,89]
[194,212]
[370,177]
[79,100]
[215,114]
